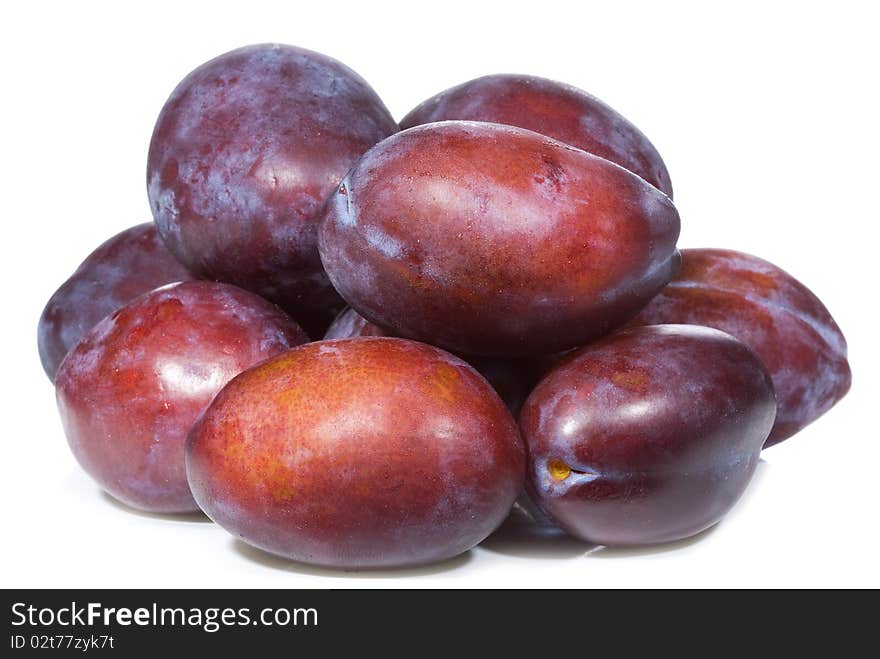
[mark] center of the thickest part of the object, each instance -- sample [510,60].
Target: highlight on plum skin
[130,390]
[773,313]
[358,453]
[129,264]
[512,379]
[243,155]
[551,108]
[496,241]
[647,436]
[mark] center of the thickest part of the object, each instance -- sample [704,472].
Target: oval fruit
[649,435]
[242,158]
[771,312]
[129,392]
[551,108]
[496,241]
[129,264]
[358,453]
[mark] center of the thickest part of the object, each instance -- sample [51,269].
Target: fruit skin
[551,108]
[242,158]
[495,241]
[129,264]
[349,324]
[358,453]
[774,314]
[512,379]
[661,428]
[129,392]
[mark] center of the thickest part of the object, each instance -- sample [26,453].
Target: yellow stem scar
[558,469]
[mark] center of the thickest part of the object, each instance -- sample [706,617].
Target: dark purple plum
[496,241]
[358,453]
[129,264]
[243,156]
[130,390]
[648,435]
[551,108]
[774,314]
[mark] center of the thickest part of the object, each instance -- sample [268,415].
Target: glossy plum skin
[551,108]
[127,265]
[129,392]
[243,155]
[775,315]
[495,241]
[358,453]
[647,436]
[512,379]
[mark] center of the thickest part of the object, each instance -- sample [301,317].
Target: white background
[766,115]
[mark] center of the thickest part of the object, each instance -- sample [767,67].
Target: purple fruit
[358,453]
[129,392]
[127,265]
[243,156]
[496,241]
[771,312]
[649,435]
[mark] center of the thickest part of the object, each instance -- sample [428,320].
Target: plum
[775,315]
[242,158]
[512,379]
[129,264]
[551,108]
[358,453]
[130,390]
[492,240]
[648,435]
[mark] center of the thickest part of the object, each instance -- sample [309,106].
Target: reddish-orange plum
[551,108]
[513,379]
[774,314]
[243,156]
[129,264]
[496,241]
[648,435]
[358,453]
[130,390]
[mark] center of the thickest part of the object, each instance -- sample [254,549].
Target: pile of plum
[511,322]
